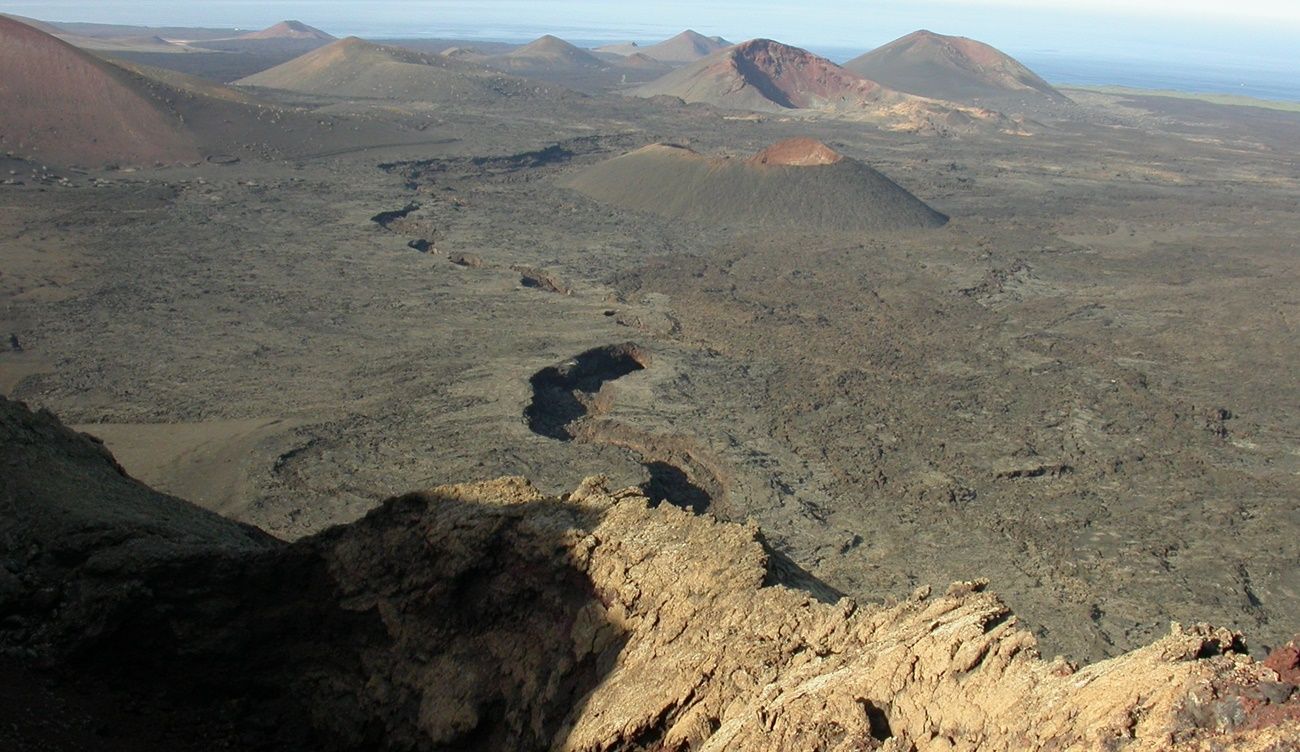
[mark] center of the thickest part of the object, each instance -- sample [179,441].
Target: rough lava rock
[487,616]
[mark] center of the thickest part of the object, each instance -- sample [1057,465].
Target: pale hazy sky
[1246,31]
[1254,10]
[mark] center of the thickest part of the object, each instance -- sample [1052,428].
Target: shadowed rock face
[199,622]
[488,616]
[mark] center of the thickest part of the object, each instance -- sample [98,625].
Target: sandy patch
[208,463]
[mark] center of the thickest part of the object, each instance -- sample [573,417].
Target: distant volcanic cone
[355,68]
[953,68]
[289,30]
[797,185]
[765,75]
[550,52]
[62,105]
[686,47]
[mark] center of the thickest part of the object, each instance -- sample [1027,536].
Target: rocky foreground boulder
[488,616]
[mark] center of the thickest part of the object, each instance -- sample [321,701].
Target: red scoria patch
[1280,702]
[1286,661]
[797,152]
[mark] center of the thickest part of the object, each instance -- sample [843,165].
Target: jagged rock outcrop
[487,616]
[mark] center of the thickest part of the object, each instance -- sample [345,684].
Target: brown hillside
[550,52]
[794,184]
[289,30]
[687,47]
[468,54]
[357,69]
[37,24]
[953,68]
[65,106]
[637,60]
[765,75]
[644,62]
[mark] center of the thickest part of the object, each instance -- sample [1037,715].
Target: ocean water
[1259,81]
[1259,78]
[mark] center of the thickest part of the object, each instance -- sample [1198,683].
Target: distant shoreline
[1236,100]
